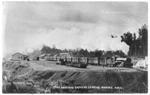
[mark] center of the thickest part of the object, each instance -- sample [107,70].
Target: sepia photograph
[74,47]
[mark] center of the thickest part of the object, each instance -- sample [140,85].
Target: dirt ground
[51,65]
[47,77]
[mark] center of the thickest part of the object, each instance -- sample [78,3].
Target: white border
[2,27]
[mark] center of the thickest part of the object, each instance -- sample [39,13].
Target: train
[83,62]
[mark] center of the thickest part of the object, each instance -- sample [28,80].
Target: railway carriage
[93,60]
[79,62]
[83,62]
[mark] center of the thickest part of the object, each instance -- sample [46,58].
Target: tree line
[81,52]
[138,44]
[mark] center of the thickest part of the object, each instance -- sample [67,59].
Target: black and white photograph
[74,47]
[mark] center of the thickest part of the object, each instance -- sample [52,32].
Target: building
[19,57]
[63,55]
[42,57]
[48,56]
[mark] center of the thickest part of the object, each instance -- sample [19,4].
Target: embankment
[51,81]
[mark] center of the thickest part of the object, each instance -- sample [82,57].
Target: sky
[70,25]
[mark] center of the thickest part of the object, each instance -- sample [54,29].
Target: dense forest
[138,45]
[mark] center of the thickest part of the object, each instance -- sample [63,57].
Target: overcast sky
[29,25]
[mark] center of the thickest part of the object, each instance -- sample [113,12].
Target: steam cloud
[75,38]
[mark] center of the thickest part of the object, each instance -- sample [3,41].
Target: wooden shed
[19,57]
